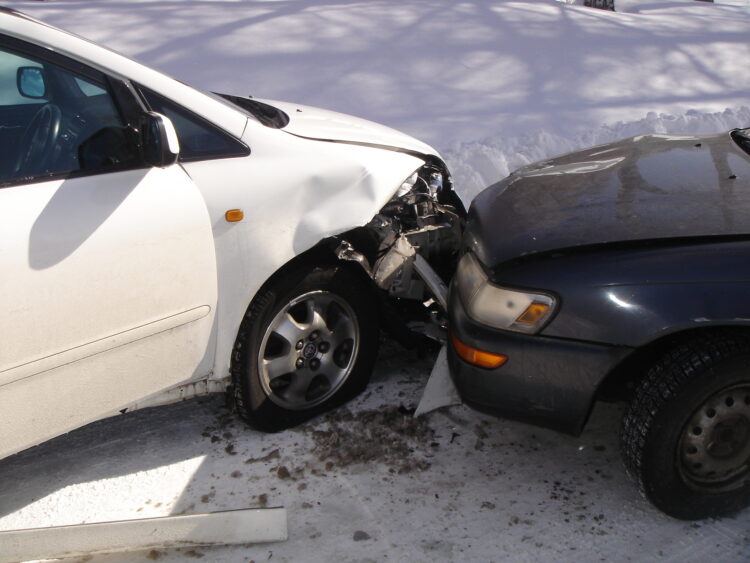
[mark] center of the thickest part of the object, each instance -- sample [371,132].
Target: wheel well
[393,314]
[620,382]
[322,254]
[319,255]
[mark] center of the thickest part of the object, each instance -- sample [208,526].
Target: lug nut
[299,345]
[324,347]
[300,363]
[314,335]
[314,363]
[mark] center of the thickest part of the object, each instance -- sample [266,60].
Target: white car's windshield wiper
[268,115]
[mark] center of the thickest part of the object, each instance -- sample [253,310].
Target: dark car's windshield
[265,113]
[742,138]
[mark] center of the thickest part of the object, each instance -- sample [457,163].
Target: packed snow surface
[493,85]
[366,483]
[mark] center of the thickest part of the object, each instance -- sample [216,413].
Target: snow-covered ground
[367,483]
[493,85]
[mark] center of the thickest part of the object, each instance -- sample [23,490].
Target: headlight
[408,184]
[497,306]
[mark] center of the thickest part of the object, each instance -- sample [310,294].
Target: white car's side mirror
[31,82]
[160,144]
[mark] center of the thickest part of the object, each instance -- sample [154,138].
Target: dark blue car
[621,271]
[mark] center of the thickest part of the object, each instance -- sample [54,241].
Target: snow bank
[636,6]
[443,71]
[477,164]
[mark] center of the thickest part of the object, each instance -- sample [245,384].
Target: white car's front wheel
[307,343]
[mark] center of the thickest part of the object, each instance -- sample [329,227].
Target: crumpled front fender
[294,192]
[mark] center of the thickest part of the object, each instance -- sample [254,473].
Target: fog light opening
[474,356]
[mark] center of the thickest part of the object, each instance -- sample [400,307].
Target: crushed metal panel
[257,525]
[433,281]
[393,271]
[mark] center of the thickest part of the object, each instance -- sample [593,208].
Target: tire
[307,343]
[686,436]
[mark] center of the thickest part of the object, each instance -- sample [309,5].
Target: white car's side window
[57,121]
[199,139]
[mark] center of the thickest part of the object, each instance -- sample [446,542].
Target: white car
[158,242]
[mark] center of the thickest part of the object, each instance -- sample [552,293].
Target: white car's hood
[325,125]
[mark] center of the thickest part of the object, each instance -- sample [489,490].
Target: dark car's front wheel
[686,435]
[307,343]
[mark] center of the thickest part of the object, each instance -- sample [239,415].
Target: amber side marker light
[476,357]
[234,215]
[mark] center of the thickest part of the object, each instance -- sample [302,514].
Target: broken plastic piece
[393,271]
[188,530]
[439,391]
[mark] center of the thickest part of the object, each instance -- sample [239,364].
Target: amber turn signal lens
[480,358]
[234,215]
[533,313]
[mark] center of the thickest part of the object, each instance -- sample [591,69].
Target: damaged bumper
[395,271]
[410,248]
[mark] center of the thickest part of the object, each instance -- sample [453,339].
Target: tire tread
[680,364]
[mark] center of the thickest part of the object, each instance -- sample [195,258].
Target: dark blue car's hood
[650,187]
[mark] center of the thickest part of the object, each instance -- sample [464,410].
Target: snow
[528,78]
[454,486]
[493,85]
[477,164]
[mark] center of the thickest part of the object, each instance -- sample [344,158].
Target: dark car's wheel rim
[308,350]
[714,449]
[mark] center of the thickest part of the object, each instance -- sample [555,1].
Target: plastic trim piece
[187,530]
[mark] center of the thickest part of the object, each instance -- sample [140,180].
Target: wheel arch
[321,254]
[684,437]
[622,380]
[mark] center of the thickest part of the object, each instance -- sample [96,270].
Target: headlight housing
[426,182]
[407,185]
[500,307]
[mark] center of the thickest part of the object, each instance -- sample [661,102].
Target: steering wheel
[36,150]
